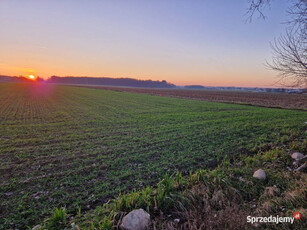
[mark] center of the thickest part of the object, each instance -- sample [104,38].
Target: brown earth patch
[276,100]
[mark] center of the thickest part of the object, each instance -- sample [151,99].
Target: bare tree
[289,50]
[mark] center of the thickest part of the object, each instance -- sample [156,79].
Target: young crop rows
[63,146]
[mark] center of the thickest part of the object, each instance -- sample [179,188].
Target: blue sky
[183,42]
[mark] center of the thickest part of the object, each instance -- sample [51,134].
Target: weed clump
[58,219]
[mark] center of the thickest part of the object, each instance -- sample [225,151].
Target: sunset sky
[184,42]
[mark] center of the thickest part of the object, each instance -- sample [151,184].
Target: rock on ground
[260,174]
[135,220]
[297,155]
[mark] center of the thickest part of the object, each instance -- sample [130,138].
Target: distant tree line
[128,82]
[4,78]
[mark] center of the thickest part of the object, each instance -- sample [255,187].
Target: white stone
[177,221]
[135,220]
[297,155]
[260,174]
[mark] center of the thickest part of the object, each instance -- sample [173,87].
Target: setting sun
[32,77]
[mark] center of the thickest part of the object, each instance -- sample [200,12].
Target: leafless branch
[303,166]
[257,7]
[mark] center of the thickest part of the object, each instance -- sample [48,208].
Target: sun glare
[32,77]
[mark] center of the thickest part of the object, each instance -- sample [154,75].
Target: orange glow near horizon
[179,72]
[206,76]
[199,77]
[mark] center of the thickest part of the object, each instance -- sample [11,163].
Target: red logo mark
[297,215]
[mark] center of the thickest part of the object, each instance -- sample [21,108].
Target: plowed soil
[279,100]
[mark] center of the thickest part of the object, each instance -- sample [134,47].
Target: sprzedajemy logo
[273,219]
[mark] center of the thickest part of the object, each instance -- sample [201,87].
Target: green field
[78,147]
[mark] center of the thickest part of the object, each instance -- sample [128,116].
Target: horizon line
[176,85]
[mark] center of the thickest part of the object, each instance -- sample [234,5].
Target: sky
[206,42]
